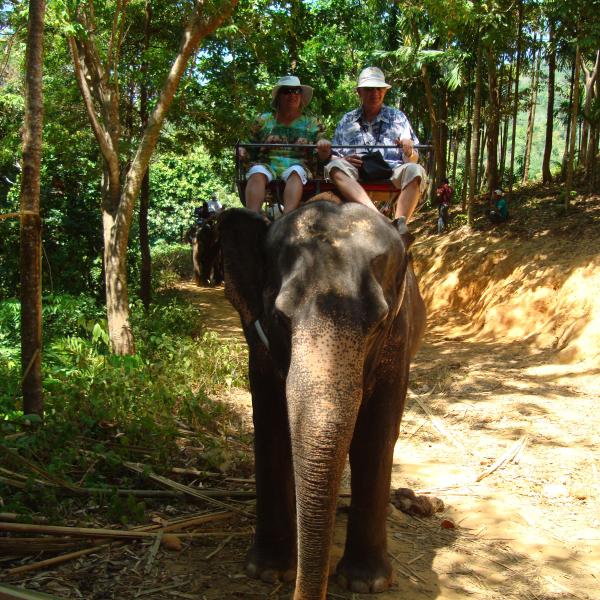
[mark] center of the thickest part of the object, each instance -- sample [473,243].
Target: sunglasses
[290,90]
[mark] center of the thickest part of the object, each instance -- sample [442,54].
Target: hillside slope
[535,278]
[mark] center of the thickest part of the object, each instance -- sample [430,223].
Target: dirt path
[529,529]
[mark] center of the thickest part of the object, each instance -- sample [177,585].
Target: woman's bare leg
[255,191]
[292,194]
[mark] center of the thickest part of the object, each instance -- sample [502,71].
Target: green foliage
[107,407]
[178,184]
[171,263]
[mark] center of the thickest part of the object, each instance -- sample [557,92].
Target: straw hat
[291,81]
[372,77]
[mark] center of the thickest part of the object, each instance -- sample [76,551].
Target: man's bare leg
[351,189]
[256,191]
[408,199]
[292,194]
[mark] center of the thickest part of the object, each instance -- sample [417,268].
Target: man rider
[374,123]
[214,206]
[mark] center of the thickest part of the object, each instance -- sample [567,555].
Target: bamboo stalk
[185,488]
[170,526]
[74,531]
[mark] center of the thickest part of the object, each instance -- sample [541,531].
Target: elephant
[332,315]
[207,259]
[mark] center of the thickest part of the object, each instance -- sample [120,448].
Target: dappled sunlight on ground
[529,528]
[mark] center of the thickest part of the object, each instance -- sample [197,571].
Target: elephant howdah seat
[382,192]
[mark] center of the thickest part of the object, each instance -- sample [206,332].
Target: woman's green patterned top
[303,130]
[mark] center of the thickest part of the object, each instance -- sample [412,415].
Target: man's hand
[409,153]
[324,150]
[354,159]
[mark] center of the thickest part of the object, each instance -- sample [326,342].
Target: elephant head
[325,296]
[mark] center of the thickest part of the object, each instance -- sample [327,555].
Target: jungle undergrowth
[102,410]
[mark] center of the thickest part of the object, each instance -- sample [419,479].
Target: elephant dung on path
[332,314]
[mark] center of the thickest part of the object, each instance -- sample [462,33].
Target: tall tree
[515,110]
[146,258]
[99,85]
[533,91]
[573,131]
[546,174]
[475,140]
[591,73]
[493,127]
[31,277]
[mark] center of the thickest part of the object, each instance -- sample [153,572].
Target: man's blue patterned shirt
[388,126]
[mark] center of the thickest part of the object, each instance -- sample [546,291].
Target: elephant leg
[365,566]
[196,260]
[273,553]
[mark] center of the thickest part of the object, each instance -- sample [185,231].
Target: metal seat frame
[318,185]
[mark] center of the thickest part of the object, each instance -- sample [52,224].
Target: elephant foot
[271,564]
[371,574]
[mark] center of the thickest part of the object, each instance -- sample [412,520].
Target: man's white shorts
[403,174]
[285,175]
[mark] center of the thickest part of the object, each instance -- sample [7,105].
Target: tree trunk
[146,258]
[565,159]
[99,87]
[504,150]
[456,143]
[443,128]
[593,174]
[467,163]
[481,174]
[574,113]
[515,112]
[493,127]
[546,174]
[30,233]
[590,82]
[475,148]
[438,150]
[531,121]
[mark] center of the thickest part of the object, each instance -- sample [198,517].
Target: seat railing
[318,184]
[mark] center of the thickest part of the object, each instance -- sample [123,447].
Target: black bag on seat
[374,167]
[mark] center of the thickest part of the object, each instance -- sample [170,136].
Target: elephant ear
[242,236]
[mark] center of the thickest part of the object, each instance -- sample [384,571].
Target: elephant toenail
[380,585]
[269,576]
[359,587]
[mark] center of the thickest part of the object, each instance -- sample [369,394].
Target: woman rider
[286,125]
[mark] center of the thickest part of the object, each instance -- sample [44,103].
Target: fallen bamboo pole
[181,523]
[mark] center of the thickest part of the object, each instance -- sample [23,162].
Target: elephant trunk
[323,393]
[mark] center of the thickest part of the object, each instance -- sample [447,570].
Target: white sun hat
[292,81]
[372,77]
[499,192]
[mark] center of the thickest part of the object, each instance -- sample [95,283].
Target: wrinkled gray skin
[337,298]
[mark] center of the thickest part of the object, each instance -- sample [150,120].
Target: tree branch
[200,26]
[100,132]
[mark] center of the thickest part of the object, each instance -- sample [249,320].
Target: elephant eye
[281,319]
